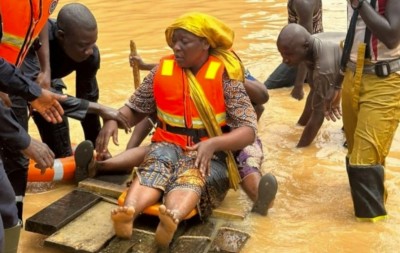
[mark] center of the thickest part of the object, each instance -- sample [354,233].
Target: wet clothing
[250,159]
[324,73]
[285,75]
[178,163]
[371,113]
[239,112]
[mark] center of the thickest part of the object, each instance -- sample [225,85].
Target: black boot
[368,192]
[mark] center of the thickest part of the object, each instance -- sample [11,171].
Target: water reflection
[313,210]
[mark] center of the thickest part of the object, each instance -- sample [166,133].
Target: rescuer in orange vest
[16,164]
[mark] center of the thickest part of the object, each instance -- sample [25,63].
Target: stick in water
[135,67]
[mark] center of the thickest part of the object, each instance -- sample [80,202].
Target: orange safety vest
[22,22]
[174,104]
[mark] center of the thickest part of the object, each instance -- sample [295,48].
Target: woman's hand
[205,152]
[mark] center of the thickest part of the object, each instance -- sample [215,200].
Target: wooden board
[61,212]
[192,244]
[88,233]
[142,241]
[103,188]
[115,190]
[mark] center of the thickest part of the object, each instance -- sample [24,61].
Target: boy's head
[77,31]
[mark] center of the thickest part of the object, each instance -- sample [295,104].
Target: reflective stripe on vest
[174,120]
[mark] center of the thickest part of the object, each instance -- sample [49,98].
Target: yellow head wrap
[218,34]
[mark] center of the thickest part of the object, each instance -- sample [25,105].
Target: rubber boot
[11,238]
[368,192]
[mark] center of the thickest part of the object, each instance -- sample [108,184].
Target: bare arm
[110,128]
[257,92]
[141,64]
[298,92]
[44,77]
[140,132]
[386,27]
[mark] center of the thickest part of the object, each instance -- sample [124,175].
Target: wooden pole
[135,67]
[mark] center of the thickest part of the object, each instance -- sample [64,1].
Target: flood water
[313,210]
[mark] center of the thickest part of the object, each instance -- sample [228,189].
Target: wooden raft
[90,231]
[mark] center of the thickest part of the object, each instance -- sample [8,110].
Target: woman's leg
[178,204]
[123,162]
[87,166]
[137,199]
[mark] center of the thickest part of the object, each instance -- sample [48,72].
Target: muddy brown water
[313,211]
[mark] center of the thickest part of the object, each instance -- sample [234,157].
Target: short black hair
[76,15]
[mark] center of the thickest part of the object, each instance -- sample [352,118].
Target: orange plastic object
[63,169]
[152,210]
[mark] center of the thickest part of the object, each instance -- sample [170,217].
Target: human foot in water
[122,218]
[167,226]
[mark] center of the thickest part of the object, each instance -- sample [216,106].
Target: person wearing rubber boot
[370,100]
[12,135]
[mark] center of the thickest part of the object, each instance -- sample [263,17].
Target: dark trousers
[8,210]
[15,163]
[282,76]
[56,136]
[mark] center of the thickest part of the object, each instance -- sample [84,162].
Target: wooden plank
[102,187]
[142,242]
[229,240]
[61,212]
[192,244]
[229,213]
[229,210]
[86,234]
[120,179]
[200,228]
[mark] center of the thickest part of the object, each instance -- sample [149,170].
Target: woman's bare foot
[123,221]
[167,226]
